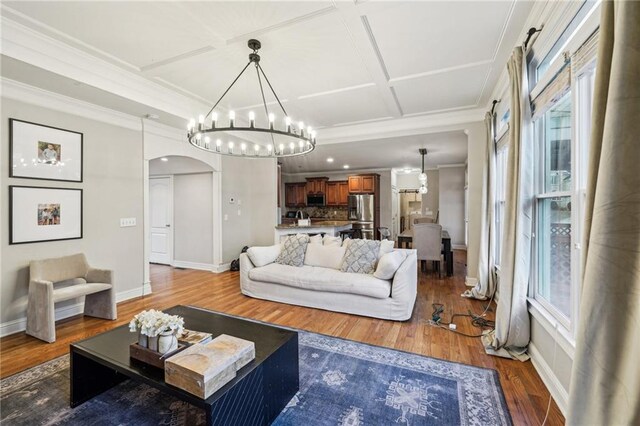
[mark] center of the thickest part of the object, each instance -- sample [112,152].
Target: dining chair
[427,240]
[423,219]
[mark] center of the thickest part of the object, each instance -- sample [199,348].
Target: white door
[161,218]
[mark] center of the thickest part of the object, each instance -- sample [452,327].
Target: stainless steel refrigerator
[362,212]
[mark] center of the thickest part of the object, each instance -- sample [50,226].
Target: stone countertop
[316,224]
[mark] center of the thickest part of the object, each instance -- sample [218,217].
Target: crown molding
[25,44]
[21,92]
[405,126]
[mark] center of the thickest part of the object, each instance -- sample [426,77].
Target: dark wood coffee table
[256,396]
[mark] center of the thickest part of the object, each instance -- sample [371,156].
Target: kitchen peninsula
[327,227]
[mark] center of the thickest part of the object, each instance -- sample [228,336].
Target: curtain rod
[493,107]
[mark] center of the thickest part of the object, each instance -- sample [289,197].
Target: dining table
[405,238]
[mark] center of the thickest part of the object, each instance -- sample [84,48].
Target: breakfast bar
[326,227]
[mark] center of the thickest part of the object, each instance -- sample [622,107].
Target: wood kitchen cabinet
[363,184]
[295,194]
[337,193]
[316,185]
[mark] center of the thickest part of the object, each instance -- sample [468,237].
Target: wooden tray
[150,357]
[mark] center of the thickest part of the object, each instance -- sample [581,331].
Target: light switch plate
[127,221]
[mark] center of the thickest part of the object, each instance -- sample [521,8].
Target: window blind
[556,88]
[585,54]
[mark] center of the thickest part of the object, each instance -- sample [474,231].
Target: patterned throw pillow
[293,249]
[361,256]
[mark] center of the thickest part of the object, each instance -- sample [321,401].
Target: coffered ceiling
[335,63]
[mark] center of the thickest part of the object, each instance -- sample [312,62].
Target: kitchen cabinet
[295,194]
[316,185]
[363,184]
[337,193]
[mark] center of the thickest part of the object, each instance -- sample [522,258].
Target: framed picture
[38,214]
[44,152]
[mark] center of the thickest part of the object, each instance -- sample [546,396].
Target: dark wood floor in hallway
[525,393]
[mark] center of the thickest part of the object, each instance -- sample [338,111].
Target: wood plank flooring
[526,395]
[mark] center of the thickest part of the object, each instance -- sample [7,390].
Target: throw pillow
[361,256]
[261,256]
[389,264]
[386,246]
[293,249]
[316,239]
[332,241]
[324,256]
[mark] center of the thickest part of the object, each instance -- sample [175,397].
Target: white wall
[193,218]
[251,218]
[112,189]
[451,202]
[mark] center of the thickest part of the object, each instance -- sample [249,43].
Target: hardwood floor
[526,395]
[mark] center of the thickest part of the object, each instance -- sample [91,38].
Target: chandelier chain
[271,87]
[264,101]
[228,88]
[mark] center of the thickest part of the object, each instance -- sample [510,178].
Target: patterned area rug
[341,383]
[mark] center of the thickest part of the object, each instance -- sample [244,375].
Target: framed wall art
[44,152]
[38,214]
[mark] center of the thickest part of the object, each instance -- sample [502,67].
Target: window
[502,151]
[553,212]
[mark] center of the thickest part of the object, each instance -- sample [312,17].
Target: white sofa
[333,290]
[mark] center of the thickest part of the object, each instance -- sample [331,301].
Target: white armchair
[57,279]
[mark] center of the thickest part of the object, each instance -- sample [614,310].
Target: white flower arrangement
[151,323]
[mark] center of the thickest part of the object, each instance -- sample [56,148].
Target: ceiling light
[422,178]
[329,160]
[262,133]
[164,159]
[346,166]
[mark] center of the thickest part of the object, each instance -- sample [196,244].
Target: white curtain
[486,285]
[511,335]
[605,379]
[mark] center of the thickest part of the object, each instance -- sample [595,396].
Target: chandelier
[260,138]
[423,176]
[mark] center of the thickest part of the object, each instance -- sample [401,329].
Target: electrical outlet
[127,221]
[239,212]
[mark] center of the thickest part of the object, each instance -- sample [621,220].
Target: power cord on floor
[553,366]
[476,320]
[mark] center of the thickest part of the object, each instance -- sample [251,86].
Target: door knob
[168,226]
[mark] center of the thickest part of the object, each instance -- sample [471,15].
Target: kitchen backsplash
[327,212]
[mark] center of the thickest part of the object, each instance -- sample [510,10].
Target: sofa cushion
[389,264]
[73,291]
[322,279]
[361,256]
[316,239]
[332,241]
[386,246]
[261,256]
[324,256]
[293,249]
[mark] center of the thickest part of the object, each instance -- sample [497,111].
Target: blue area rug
[341,383]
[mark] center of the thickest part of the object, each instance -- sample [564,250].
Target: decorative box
[202,369]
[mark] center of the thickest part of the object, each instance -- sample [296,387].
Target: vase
[143,340]
[153,343]
[167,342]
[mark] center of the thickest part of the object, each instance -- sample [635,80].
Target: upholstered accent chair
[427,240]
[63,278]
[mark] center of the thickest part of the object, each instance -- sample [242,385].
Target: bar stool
[350,233]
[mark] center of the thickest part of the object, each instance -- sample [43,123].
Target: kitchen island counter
[327,227]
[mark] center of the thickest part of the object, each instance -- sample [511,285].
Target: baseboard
[20,324]
[558,392]
[192,265]
[459,247]
[221,267]
[470,281]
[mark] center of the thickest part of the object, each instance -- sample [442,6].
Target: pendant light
[423,176]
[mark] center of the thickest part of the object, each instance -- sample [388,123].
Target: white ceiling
[401,152]
[332,63]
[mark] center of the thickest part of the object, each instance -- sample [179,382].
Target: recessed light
[329,160]
[164,159]
[346,166]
